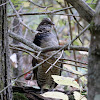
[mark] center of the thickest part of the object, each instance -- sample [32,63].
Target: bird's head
[45,25]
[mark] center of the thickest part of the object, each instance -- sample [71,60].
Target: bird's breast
[49,41]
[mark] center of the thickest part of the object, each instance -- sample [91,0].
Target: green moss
[92,26]
[71,97]
[19,96]
[1,85]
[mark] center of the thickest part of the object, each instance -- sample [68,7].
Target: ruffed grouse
[46,39]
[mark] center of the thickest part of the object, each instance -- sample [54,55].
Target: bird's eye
[44,23]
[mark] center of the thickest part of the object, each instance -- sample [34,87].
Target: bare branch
[41,13]
[73,65]
[37,48]
[19,18]
[18,47]
[26,42]
[85,11]
[80,34]
[25,73]
[4,3]
[42,60]
[47,49]
[77,48]
[55,62]
[73,61]
[12,46]
[39,5]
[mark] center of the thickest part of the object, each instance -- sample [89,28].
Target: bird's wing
[34,62]
[37,41]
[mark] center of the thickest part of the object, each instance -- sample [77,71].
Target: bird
[45,38]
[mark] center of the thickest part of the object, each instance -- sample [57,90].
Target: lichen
[19,96]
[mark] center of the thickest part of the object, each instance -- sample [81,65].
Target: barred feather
[44,80]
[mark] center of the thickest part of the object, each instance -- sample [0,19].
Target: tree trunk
[94,58]
[84,10]
[18,30]
[4,55]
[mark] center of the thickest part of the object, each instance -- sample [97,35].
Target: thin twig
[72,64]
[73,61]
[4,3]
[67,15]
[77,48]
[26,42]
[8,85]
[71,37]
[71,41]
[54,62]
[47,49]
[19,18]
[22,47]
[39,5]
[91,3]
[42,60]
[35,68]
[17,47]
[79,34]
[41,13]
[76,19]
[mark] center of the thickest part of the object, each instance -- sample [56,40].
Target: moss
[92,25]
[95,29]
[19,96]
[71,97]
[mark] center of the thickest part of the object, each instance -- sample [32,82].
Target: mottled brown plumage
[46,39]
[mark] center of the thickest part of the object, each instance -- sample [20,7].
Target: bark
[4,55]
[94,58]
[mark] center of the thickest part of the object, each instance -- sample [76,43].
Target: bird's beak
[53,23]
